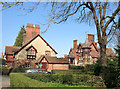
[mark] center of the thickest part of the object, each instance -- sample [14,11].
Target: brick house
[33,48]
[86,53]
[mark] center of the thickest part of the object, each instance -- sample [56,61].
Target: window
[47,53]
[31,54]
[27,65]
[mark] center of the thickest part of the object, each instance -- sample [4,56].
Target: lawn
[22,81]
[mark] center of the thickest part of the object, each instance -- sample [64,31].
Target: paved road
[5,81]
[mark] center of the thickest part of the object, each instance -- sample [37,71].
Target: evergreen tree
[19,38]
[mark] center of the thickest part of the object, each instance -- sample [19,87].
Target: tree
[19,38]
[118,52]
[99,12]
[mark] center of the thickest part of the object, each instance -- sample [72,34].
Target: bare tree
[99,12]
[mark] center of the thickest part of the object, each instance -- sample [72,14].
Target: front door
[44,65]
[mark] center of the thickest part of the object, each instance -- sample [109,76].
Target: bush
[89,68]
[5,70]
[110,74]
[97,69]
[70,79]
[20,69]
[76,67]
[3,62]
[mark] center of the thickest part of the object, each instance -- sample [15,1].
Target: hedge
[71,79]
[20,80]
[72,71]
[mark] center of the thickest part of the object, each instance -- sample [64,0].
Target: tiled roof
[94,54]
[109,51]
[54,60]
[11,49]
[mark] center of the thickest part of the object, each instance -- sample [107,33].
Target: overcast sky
[59,36]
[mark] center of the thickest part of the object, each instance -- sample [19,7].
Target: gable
[37,43]
[31,41]
[93,47]
[43,60]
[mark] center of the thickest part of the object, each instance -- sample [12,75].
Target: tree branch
[113,16]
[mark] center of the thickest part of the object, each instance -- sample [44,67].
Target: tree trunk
[103,54]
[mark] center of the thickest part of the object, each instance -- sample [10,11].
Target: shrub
[89,68]
[97,69]
[20,69]
[76,67]
[5,70]
[3,62]
[70,79]
[110,74]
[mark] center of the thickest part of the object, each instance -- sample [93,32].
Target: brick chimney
[65,55]
[31,32]
[2,54]
[75,44]
[74,50]
[91,38]
[24,39]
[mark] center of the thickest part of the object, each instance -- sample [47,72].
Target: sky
[59,36]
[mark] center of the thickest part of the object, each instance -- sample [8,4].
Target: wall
[41,47]
[61,66]
[57,67]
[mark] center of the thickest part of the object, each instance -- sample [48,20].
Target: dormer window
[31,53]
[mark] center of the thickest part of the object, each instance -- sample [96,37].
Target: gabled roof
[31,47]
[54,60]
[93,43]
[11,49]
[31,41]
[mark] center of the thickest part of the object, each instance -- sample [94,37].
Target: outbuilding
[53,63]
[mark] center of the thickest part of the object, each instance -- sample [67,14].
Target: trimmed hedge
[20,80]
[72,71]
[71,79]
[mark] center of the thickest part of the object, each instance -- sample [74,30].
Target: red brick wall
[61,66]
[50,67]
[57,66]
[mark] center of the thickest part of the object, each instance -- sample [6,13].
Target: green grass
[20,80]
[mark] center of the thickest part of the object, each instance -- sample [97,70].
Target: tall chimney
[91,38]
[74,51]
[24,39]
[75,44]
[31,32]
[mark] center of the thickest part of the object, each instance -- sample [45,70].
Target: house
[34,47]
[86,53]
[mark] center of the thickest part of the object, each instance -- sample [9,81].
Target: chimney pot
[31,25]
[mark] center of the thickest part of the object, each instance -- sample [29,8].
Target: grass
[19,80]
